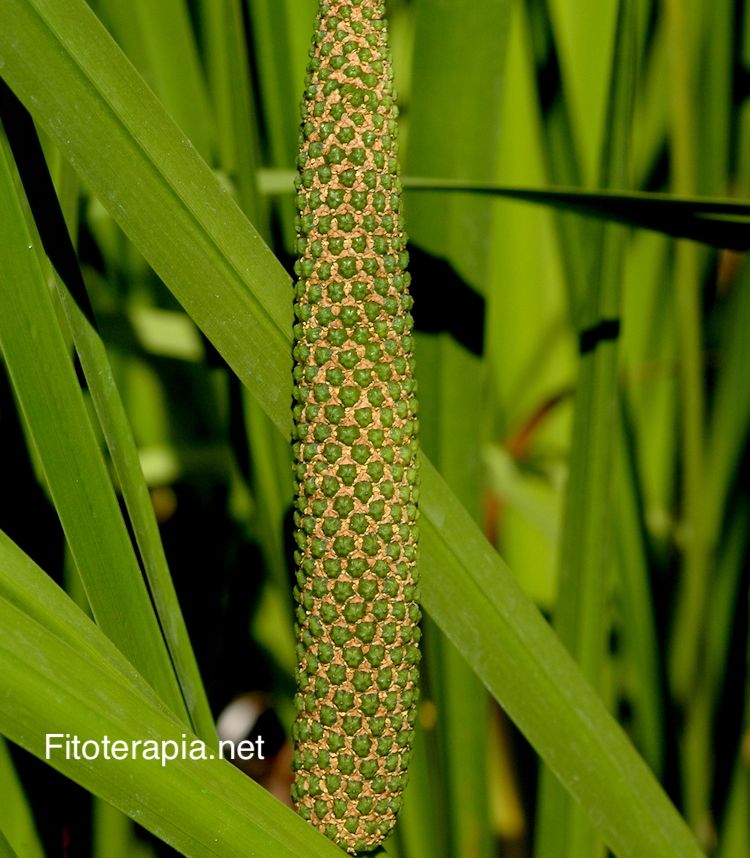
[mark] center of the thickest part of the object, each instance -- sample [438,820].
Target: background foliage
[584,408]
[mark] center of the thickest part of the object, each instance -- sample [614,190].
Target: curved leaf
[48,219]
[719,222]
[16,819]
[50,398]
[56,681]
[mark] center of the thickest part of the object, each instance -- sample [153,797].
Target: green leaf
[121,445]
[16,818]
[6,850]
[459,52]
[639,626]
[61,684]
[731,413]
[686,671]
[472,595]
[231,90]
[584,36]
[719,222]
[281,39]
[580,617]
[159,39]
[561,159]
[26,587]
[51,401]
[113,422]
[142,166]
[735,833]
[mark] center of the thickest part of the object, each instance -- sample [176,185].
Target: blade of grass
[579,614]
[717,68]
[509,663]
[422,798]
[683,150]
[466,701]
[686,668]
[726,601]
[558,144]
[6,850]
[114,425]
[46,388]
[651,117]
[528,345]
[16,818]
[709,709]
[743,116]
[459,52]
[59,682]
[121,444]
[269,454]
[271,480]
[231,91]
[638,626]
[719,222]
[730,416]
[735,833]
[112,833]
[239,153]
[584,35]
[25,586]
[433,783]
[68,190]
[467,588]
[649,361]
[159,40]
[281,38]
[148,165]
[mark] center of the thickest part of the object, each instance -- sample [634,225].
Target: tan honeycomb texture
[355,441]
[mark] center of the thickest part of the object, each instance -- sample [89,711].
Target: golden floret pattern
[355,441]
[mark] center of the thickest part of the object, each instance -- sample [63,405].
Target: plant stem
[686,669]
